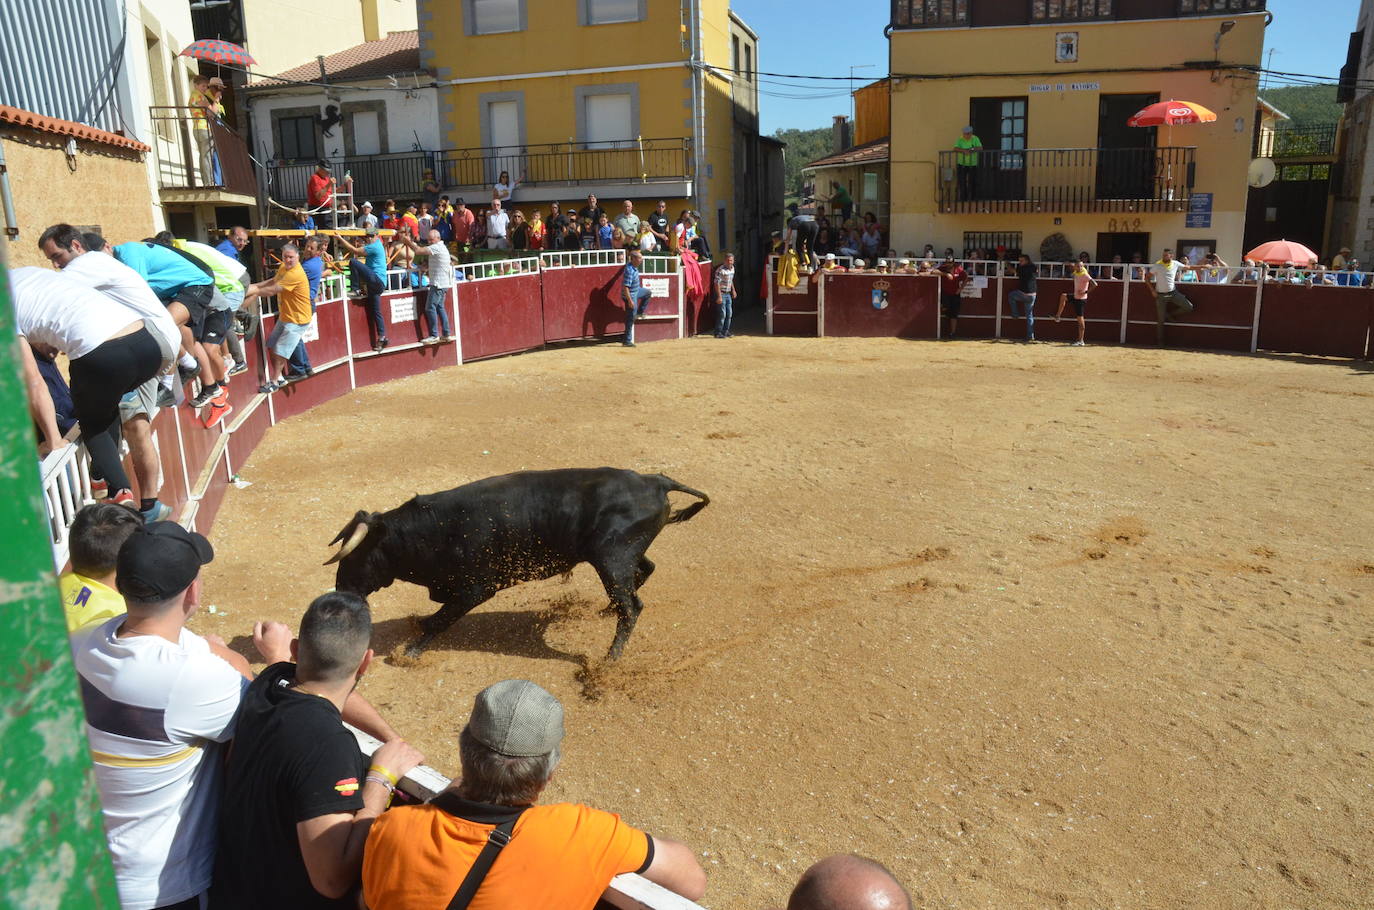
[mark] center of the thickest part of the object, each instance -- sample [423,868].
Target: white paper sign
[658,287]
[403,309]
[312,332]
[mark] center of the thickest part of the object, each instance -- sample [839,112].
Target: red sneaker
[217,412]
[125,497]
[99,489]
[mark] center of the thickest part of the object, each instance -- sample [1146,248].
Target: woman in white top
[647,241]
[504,188]
[111,349]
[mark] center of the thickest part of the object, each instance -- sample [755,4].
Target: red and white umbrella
[1167,113]
[1277,252]
[214,50]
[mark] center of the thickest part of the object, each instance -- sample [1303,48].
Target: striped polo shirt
[158,714]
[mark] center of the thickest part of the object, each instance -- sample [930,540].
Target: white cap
[366,205]
[830,257]
[858,263]
[904,262]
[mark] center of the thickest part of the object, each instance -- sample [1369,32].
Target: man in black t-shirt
[555,226]
[1022,299]
[658,223]
[591,211]
[299,795]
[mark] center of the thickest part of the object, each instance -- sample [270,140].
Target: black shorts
[1078,304]
[197,299]
[950,303]
[215,328]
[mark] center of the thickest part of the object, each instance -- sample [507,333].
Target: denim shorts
[285,337]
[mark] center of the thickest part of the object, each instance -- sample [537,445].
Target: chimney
[839,134]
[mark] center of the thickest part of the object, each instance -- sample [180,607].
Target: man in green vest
[968,147]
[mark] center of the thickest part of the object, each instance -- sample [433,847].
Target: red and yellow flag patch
[348,786]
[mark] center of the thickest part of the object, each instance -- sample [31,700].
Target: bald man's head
[844,882]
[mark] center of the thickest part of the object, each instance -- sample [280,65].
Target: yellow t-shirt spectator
[88,602]
[293,301]
[198,103]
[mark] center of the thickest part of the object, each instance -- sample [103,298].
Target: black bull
[466,544]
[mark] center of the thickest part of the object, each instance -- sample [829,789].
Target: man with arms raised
[563,855]
[300,796]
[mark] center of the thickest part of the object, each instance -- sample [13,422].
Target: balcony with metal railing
[200,164]
[922,14]
[558,170]
[1314,142]
[1066,180]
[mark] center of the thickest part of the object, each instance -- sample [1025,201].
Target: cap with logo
[517,718]
[159,561]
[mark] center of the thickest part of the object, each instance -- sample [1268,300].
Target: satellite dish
[1262,172]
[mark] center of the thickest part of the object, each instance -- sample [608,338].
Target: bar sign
[1199,211]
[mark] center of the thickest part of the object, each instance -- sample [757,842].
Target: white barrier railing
[497,268]
[569,258]
[66,475]
[625,892]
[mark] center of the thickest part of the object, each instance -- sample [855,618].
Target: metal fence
[1067,180]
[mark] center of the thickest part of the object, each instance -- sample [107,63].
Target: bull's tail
[672,486]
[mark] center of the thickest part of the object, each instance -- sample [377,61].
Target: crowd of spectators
[226,788]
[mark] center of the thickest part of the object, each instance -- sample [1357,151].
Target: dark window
[927,13]
[1208,7]
[989,241]
[1070,10]
[749,62]
[297,137]
[734,42]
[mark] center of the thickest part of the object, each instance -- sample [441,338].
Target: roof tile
[874,151]
[398,52]
[20,117]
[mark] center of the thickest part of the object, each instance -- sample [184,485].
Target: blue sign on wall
[1199,211]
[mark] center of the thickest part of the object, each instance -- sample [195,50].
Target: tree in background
[803,147]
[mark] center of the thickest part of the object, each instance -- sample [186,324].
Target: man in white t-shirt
[440,270]
[498,227]
[137,409]
[1169,301]
[160,705]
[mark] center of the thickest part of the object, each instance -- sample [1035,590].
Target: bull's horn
[351,544]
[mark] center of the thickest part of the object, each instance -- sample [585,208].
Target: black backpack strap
[496,840]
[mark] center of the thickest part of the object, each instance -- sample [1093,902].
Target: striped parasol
[217,51]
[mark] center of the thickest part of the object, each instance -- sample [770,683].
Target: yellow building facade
[624,99]
[1049,101]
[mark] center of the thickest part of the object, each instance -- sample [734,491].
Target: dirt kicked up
[1034,626]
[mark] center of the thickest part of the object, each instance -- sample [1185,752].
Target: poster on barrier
[312,331]
[403,309]
[975,286]
[658,287]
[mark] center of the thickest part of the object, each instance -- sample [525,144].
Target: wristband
[374,779]
[378,769]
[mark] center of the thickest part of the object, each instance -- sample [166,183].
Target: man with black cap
[160,707]
[299,795]
[563,855]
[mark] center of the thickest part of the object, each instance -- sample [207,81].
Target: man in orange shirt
[564,855]
[292,289]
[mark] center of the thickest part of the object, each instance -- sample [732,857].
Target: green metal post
[52,840]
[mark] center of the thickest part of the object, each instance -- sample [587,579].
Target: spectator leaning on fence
[1022,297]
[634,294]
[299,794]
[952,281]
[1169,301]
[440,271]
[1082,283]
[367,277]
[160,705]
[562,855]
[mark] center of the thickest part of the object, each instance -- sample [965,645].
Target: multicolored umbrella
[1277,252]
[217,51]
[1167,113]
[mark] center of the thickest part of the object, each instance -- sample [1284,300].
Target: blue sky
[825,38]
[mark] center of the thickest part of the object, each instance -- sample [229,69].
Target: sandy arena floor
[1036,627]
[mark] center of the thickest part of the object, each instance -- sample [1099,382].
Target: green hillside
[803,146]
[1308,105]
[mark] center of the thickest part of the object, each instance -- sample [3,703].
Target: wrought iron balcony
[552,167]
[913,14]
[1066,180]
[183,150]
[1297,142]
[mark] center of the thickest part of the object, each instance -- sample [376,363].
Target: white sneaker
[1076,344]
[431,339]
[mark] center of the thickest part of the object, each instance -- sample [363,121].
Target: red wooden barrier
[1222,318]
[795,311]
[1102,313]
[582,302]
[977,308]
[1331,321]
[500,315]
[911,310]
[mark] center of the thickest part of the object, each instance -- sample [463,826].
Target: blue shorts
[285,337]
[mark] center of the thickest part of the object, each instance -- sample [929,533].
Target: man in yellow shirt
[205,105]
[292,289]
[88,590]
[967,147]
